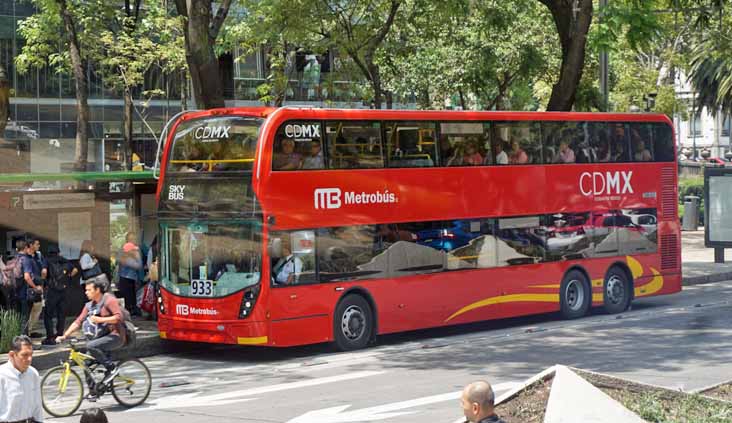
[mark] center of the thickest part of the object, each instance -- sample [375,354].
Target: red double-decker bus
[291,226]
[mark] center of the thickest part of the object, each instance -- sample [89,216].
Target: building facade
[40,194]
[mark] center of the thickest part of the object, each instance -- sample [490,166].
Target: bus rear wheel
[575,296]
[616,291]
[352,323]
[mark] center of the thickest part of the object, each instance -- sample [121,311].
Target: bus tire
[616,291]
[575,296]
[353,323]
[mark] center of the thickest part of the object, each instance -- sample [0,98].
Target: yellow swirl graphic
[544,298]
[651,287]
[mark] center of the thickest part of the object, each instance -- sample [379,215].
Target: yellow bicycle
[63,391]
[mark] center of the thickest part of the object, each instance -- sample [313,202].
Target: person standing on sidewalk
[37,308]
[60,272]
[478,403]
[20,385]
[130,264]
[31,291]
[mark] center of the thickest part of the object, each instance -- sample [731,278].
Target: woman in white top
[86,258]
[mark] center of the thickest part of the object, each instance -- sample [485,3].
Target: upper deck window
[219,144]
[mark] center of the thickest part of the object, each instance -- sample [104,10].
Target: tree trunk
[128,118]
[201,30]
[4,100]
[82,91]
[389,99]
[572,27]
[183,91]
[375,81]
[423,99]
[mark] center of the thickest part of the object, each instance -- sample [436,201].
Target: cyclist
[101,321]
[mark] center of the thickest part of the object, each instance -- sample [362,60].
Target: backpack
[12,273]
[58,277]
[127,329]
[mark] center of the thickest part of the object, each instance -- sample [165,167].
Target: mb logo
[327,198]
[182,310]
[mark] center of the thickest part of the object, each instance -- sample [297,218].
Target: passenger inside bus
[501,156]
[286,158]
[641,153]
[314,160]
[518,155]
[565,153]
[472,157]
[288,268]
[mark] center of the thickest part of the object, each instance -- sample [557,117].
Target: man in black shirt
[478,401]
[60,273]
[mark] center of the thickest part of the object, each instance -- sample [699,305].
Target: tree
[130,42]
[201,29]
[123,44]
[480,53]
[710,69]
[572,20]
[4,100]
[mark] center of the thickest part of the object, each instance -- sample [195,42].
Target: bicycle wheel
[133,382]
[61,391]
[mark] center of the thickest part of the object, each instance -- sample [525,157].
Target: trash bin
[691,213]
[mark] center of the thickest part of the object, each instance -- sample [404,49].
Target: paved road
[681,341]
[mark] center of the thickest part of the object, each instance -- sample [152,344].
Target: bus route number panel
[202,288]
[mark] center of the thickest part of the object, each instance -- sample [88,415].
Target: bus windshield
[211,259]
[219,144]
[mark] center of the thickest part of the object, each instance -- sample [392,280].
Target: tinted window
[411,144]
[663,142]
[637,231]
[568,236]
[420,248]
[520,241]
[214,144]
[471,244]
[619,142]
[464,144]
[641,142]
[292,258]
[515,143]
[298,145]
[351,253]
[354,145]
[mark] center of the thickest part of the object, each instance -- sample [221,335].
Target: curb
[145,346]
[699,280]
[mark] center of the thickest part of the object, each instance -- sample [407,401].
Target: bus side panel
[300,331]
[301,314]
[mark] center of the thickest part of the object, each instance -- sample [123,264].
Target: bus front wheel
[575,296]
[352,323]
[616,291]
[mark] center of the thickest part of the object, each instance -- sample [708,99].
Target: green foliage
[10,326]
[118,228]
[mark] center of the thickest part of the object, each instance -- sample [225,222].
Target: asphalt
[698,267]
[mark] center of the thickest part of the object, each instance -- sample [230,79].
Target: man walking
[478,402]
[37,306]
[31,290]
[60,272]
[20,385]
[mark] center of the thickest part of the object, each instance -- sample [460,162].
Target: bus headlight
[248,300]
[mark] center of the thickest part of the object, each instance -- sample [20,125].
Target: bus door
[299,305]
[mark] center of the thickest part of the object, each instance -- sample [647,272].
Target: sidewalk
[697,261]
[698,267]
